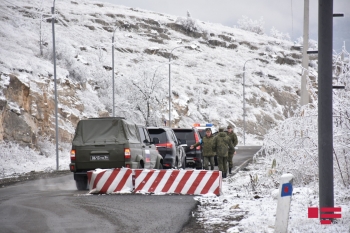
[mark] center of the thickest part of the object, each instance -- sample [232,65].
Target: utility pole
[113,104]
[304,95]
[54,68]
[325,105]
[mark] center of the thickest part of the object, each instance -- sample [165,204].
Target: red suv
[188,137]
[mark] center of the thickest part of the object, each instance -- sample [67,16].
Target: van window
[142,134]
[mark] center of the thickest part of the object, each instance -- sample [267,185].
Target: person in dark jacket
[231,153]
[221,144]
[208,152]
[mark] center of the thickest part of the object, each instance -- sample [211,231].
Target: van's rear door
[99,156]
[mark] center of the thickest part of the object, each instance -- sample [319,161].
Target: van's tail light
[197,140]
[72,155]
[167,145]
[127,154]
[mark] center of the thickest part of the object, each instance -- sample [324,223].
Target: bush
[256,26]
[279,35]
[189,23]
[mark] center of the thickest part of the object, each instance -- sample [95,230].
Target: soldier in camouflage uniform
[221,144]
[231,153]
[208,152]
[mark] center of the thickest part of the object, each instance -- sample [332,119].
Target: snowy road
[54,205]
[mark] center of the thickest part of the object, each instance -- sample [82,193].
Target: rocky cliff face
[28,110]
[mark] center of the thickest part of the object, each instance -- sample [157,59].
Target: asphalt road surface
[55,205]
[243,154]
[242,157]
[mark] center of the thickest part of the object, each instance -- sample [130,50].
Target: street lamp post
[54,68]
[244,111]
[170,81]
[113,66]
[113,71]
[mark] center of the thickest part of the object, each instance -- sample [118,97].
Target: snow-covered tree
[248,24]
[189,23]
[293,145]
[146,95]
[279,35]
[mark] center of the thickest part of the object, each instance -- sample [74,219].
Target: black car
[188,137]
[169,147]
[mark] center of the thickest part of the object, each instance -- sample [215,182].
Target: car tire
[141,165]
[183,163]
[81,183]
[176,164]
[160,166]
[200,166]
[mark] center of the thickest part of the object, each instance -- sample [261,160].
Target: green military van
[111,142]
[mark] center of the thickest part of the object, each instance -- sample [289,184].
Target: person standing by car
[221,144]
[231,153]
[208,153]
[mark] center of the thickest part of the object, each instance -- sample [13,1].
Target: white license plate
[99,157]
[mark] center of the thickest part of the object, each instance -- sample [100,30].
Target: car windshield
[158,133]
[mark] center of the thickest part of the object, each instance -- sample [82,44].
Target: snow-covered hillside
[206,73]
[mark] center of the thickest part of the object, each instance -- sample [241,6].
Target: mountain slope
[206,72]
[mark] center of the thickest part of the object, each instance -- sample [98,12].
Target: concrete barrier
[107,181]
[194,182]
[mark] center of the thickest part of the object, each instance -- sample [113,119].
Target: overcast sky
[285,15]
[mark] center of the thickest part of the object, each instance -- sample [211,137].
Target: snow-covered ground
[244,210]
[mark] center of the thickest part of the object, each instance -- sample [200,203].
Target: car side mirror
[155,140]
[145,141]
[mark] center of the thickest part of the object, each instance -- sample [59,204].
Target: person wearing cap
[208,153]
[231,153]
[221,145]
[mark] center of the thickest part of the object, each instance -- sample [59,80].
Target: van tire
[81,183]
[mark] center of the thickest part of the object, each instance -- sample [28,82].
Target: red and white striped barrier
[196,182]
[106,181]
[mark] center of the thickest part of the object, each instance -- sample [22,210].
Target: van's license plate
[99,157]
